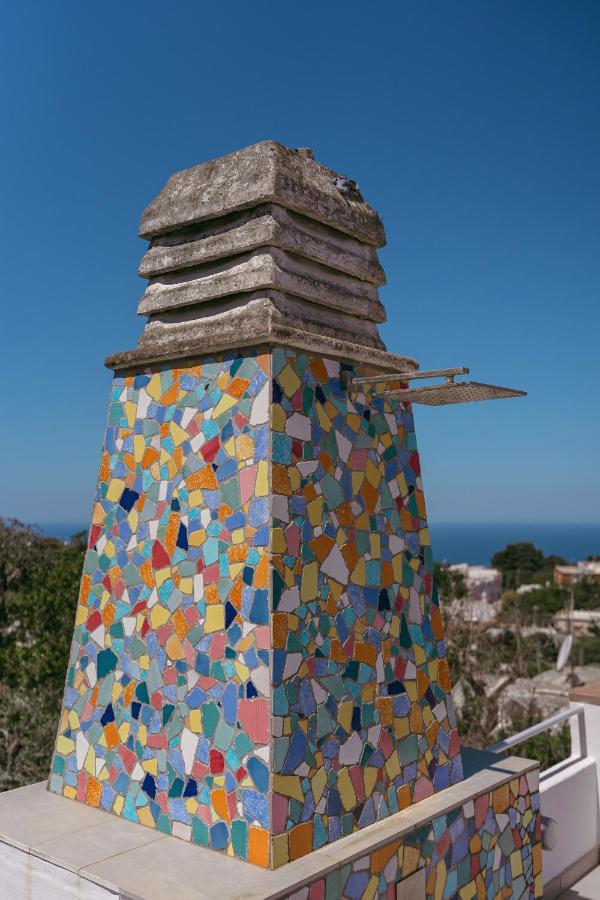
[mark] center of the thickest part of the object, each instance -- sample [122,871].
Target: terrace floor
[587,888]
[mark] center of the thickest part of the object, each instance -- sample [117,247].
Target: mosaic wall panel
[258,648]
[363,723]
[165,717]
[489,848]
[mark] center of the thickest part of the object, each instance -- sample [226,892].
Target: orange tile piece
[280,631]
[171,532]
[129,461]
[235,594]
[146,573]
[344,514]
[437,626]
[128,693]
[170,395]
[85,589]
[280,480]
[111,734]
[385,705]
[93,792]
[301,837]
[237,553]
[105,467]
[108,615]
[500,799]
[321,546]
[337,651]
[350,554]
[211,593]
[370,496]
[218,798]
[237,386]
[444,675]
[180,624]
[317,367]
[381,857]
[422,682]
[258,847]
[366,653]
[404,798]
[261,573]
[149,456]
[203,478]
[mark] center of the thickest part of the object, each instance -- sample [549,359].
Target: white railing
[569,795]
[575,710]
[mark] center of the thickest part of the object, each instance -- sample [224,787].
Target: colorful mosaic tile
[489,848]
[258,663]
[165,717]
[363,723]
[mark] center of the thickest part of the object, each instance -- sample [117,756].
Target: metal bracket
[449,392]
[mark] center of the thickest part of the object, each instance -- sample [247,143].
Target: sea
[473,543]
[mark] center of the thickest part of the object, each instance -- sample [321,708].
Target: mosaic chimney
[258,663]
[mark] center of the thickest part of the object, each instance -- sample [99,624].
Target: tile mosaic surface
[489,848]
[363,723]
[165,717]
[258,662]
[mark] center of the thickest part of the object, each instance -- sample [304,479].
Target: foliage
[535,607]
[39,583]
[523,563]
[451,584]
[549,747]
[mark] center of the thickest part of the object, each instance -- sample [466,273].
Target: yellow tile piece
[226,402]
[261,488]
[115,489]
[318,783]
[196,721]
[290,786]
[289,380]
[159,615]
[370,775]
[346,789]
[174,648]
[64,745]
[310,579]
[215,618]
[177,433]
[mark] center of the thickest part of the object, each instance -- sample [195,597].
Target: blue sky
[472,127]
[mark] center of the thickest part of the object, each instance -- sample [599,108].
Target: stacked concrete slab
[261,244]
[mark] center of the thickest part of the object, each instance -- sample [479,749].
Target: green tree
[39,584]
[523,563]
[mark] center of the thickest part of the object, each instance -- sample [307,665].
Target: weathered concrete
[251,322]
[267,171]
[266,268]
[266,226]
[262,246]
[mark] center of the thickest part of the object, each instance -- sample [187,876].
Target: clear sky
[474,129]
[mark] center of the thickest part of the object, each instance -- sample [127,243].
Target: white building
[482,582]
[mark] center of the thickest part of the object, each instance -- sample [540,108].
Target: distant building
[582,621]
[527,588]
[482,582]
[580,571]
[484,586]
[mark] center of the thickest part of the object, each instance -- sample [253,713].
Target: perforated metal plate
[457,392]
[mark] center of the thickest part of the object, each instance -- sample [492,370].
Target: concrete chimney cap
[267,172]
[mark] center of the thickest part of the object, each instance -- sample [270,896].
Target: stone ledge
[586,693]
[191,341]
[136,862]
